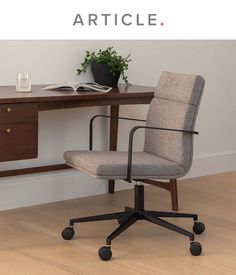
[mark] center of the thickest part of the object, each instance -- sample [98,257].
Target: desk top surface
[9,95]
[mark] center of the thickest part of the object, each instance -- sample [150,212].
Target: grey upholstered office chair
[167,154]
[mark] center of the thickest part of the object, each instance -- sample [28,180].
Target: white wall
[56,61]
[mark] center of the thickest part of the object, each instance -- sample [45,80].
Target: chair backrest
[175,105]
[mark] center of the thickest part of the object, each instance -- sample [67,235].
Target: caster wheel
[128,209]
[105,253]
[195,248]
[120,221]
[68,233]
[198,227]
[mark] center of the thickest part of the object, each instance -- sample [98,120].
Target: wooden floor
[30,241]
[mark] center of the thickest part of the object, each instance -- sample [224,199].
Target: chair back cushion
[175,105]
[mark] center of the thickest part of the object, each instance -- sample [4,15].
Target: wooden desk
[19,118]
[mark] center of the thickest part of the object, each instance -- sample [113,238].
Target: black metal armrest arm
[104,116]
[131,136]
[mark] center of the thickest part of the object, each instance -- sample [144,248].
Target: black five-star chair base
[131,215]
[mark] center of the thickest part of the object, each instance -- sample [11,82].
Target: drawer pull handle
[8,109]
[8,130]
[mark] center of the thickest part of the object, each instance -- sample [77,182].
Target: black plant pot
[102,75]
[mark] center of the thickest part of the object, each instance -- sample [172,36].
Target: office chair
[167,154]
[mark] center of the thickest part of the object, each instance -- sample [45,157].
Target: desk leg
[114,112]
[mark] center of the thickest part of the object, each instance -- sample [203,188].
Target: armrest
[104,116]
[131,137]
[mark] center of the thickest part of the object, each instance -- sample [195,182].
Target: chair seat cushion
[113,165]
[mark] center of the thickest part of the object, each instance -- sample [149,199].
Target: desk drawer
[18,141]
[12,113]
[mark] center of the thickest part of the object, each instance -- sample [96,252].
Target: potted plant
[106,66]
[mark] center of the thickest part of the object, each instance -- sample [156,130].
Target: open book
[75,86]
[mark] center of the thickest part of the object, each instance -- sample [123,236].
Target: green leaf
[109,56]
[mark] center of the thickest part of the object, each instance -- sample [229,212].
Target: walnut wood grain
[21,112]
[32,170]
[170,186]
[18,131]
[18,141]
[114,112]
[129,94]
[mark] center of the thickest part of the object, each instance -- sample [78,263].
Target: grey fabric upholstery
[175,105]
[113,165]
[186,88]
[166,154]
